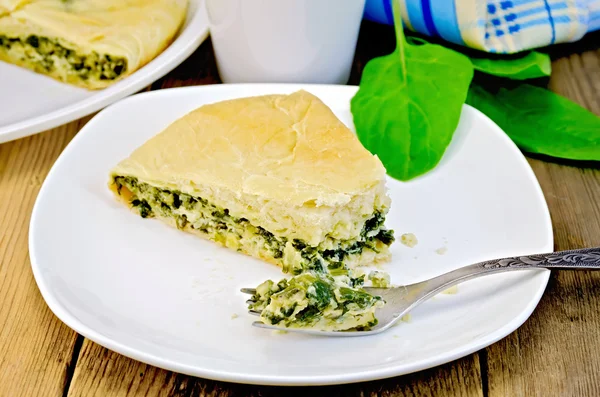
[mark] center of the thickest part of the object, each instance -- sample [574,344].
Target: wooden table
[555,353]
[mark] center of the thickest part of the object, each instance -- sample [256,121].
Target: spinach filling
[331,260]
[44,52]
[199,214]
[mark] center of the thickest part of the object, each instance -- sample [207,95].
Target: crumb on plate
[451,291]
[409,239]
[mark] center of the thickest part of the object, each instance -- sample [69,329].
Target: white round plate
[170,299]
[38,103]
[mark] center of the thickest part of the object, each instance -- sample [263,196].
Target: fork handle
[584,259]
[579,259]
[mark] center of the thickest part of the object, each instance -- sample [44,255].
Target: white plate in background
[31,102]
[167,298]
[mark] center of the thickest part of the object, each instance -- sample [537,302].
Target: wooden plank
[576,71]
[38,352]
[100,372]
[199,69]
[557,351]
[36,348]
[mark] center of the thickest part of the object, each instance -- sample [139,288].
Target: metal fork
[401,300]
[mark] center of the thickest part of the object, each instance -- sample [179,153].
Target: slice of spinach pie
[88,43]
[278,177]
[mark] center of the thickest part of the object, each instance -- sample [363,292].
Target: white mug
[284,41]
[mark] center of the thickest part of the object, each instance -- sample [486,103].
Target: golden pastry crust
[284,162]
[135,31]
[287,148]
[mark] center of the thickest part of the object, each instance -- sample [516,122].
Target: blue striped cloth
[501,26]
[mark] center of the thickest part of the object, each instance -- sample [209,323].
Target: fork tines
[251,291]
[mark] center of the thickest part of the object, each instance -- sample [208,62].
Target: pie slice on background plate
[88,43]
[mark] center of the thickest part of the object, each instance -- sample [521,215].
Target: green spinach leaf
[540,121]
[531,66]
[409,103]
[522,66]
